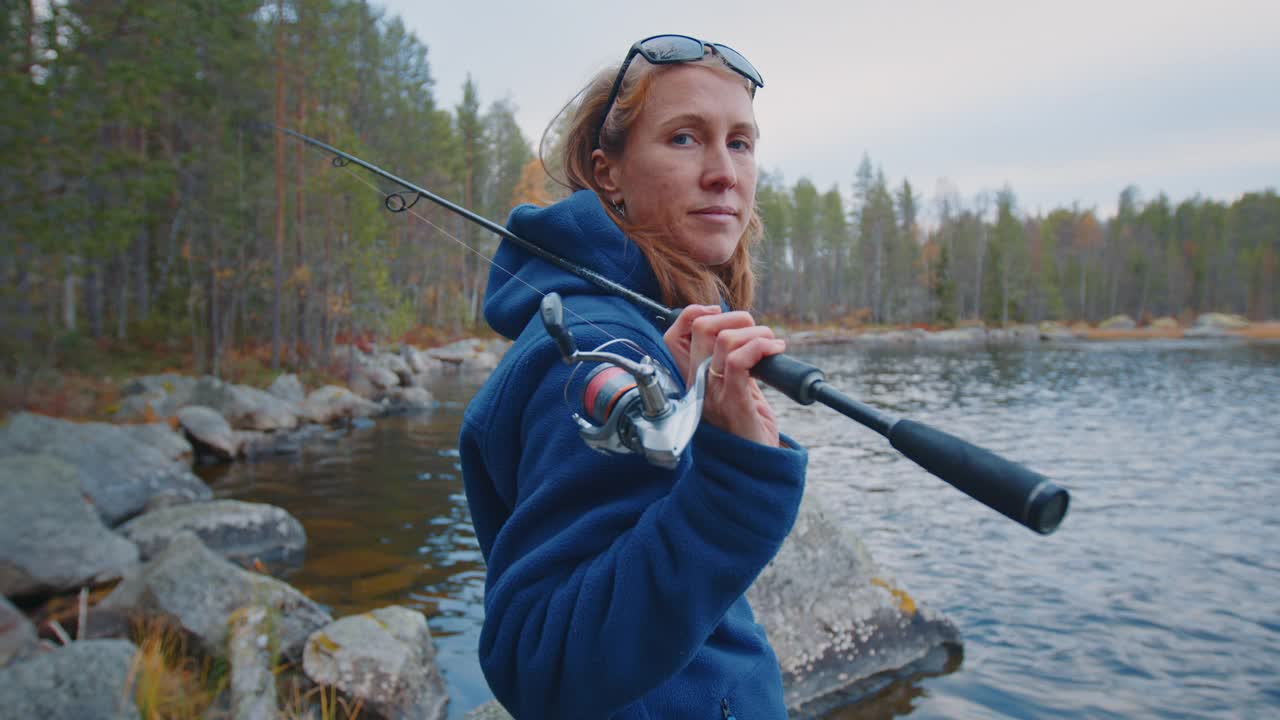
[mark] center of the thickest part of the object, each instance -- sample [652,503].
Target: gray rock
[164,439]
[209,431]
[143,406]
[1056,331]
[369,374]
[198,590]
[17,634]
[420,363]
[385,658]
[245,408]
[179,386]
[235,530]
[1015,334]
[253,685]
[50,539]
[397,365]
[1222,321]
[87,680]
[1216,325]
[833,618]
[498,346]
[1118,322]
[410,398]
[1207,331]
[484,361]
[288,387]
[491,710]
[331,403]
[254,444]
[465,355]
[121,468]
[154,396]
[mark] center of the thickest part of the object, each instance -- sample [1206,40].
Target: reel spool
[634,407]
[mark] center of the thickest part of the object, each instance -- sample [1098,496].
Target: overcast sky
[1067,102]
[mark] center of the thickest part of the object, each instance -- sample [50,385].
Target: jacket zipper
[725,711]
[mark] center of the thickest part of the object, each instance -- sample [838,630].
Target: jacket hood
[577,229]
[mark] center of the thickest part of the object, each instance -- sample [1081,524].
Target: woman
[615,588]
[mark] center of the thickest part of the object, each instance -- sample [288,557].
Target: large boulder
[288,387]
[331,403]
[123,469]
[50,539]
[385,659]
[86,680]
[834,618]
[194,588]
[235,530]
[246,408]
[17,634]
[209,432]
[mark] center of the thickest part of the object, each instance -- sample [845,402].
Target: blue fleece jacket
[614,588]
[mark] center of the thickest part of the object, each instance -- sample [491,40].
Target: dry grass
[171,683]
[168,681]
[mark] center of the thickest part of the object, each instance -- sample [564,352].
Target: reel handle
[552,311]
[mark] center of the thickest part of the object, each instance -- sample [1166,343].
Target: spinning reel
[634,406]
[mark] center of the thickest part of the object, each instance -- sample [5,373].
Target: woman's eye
[681,139]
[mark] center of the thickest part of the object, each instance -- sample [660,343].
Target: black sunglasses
[673,49]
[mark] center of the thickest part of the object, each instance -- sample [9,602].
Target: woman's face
[689,162]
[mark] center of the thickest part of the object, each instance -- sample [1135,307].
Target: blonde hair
[681,279]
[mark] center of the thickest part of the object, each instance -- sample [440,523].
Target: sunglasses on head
[673,49]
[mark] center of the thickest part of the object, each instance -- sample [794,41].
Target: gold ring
[714,373]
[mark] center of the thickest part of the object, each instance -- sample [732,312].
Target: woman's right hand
[734,402]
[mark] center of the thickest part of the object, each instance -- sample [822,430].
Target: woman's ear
[605,174]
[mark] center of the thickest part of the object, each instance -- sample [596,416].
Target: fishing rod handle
[789,376]
[1022,495]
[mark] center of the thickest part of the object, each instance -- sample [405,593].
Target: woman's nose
[718,170]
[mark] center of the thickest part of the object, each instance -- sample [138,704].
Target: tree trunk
[122,296]
[277,258]
[299,259]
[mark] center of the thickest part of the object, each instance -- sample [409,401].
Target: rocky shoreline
[112,512]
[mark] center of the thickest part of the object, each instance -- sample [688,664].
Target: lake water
[1158,596]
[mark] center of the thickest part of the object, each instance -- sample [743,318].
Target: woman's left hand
[735,344]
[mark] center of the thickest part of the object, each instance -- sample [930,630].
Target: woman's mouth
[716,212]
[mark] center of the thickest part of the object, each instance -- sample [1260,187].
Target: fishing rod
[1017,492]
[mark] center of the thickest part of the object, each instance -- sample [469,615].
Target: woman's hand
[735,344]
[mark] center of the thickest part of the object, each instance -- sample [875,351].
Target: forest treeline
[146,200]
